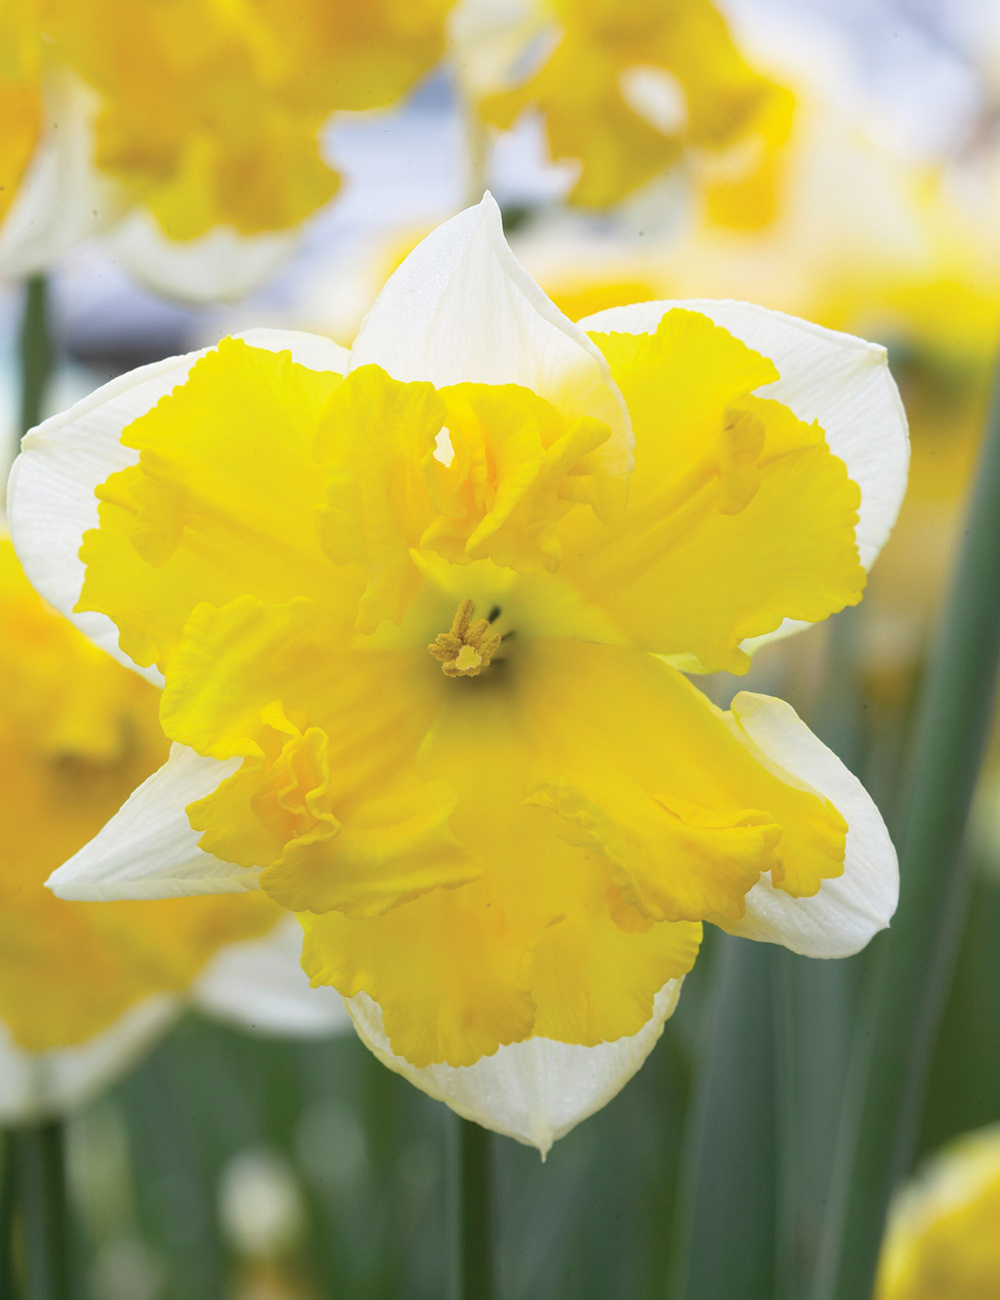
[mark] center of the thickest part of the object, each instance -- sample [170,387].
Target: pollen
[466,649]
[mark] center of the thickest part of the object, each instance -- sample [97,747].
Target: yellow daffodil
[420,610]
[624,86]
[83,989]
[942,1241]
[194,125]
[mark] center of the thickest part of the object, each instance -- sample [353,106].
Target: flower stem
[8,1205]
[37,352]
[728,1197]
[42,1196]
[475,1238]
[915,959]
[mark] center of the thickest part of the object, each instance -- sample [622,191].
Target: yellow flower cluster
[210,112]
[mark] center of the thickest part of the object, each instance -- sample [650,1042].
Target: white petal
[35,1086]
[534,1091]
[260,984]
[148,849]
[218,266]
[50,497]
[462,309]
[847,911]
[838,379]
[62,199]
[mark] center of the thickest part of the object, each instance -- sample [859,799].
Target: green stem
[37,352]
[42,1196]
[728,1197]
[8,1206]
[476,1212]
[892,1050]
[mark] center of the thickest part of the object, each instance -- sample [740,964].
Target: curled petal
[842,917]
[534,1091]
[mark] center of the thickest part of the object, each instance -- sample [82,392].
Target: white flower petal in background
[535,1091]
[837,379]
[36,1086]
[848,910]
[218,266]
[148,849]
[259,984]
[461,309]
[62,200]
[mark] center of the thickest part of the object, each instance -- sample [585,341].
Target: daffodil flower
[191,128]
[420,611]
[625,87]
[85,989]
[941,1242]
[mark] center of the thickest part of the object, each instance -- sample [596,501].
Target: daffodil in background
[192,129]
[627,90]
[85,990]
[941,1242]
[421,611]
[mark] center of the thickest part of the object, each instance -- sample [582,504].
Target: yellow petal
[328,803]
[667,787]
[221,502]
[510,468]
[373,440]
[455,971]
[739,516]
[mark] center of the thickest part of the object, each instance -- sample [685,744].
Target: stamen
[466,649]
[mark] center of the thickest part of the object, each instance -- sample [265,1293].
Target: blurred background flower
[83,991]
[942,1242]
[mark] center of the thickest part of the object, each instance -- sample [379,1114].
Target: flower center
[466,649]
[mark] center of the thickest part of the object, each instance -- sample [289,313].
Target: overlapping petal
[839,381]
[429,323]
[51,494]
[736,509]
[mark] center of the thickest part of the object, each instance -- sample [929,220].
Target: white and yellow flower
[942,1241]
[85,989]
[504,866]
[192,128]
[626,89]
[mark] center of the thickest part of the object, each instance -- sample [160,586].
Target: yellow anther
[466,649]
